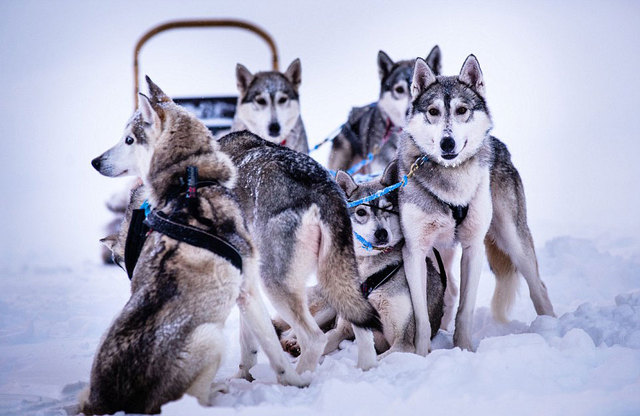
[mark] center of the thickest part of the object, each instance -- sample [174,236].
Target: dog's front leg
[471,235]
[415,268]
[470,269]
[255,319]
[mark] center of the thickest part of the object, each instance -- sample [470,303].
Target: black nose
[274,129]
[381,236]
[96,163]
[447,144]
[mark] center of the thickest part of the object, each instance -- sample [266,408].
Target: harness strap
[443,272]
[136,236]
[379,278]
[459,212]
[194,236]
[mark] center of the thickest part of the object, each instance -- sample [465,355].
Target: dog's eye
[129,140]
[361,212]
[461,110]
[399,90]
[282,100]
[261,101]
[434,111]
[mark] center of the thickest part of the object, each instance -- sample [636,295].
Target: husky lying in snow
[269,106]
[467,192]
[378,222]
[297,215]
[168,339]
[377,127]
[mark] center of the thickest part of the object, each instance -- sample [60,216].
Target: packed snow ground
[585,362]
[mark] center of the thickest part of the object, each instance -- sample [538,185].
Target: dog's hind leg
[204,353]
[285,268]
[511,249]
[256,326]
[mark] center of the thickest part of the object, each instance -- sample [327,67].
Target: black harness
[383,276]
[459,212]
[379,278]
[142,224]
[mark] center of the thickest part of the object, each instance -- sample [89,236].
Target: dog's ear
[385,64]
[110,241]
[157,95]
[423,76]
[149,114]
[390,174]
[346,182]
[294,73]
[434,60]
[471,74]
[243,78]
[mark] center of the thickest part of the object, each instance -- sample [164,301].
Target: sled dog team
[226,215]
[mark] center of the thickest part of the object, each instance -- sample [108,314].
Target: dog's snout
[381,235]
[96,163]
[447,144]
[274,129]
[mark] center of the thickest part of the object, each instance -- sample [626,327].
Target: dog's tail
[338,272]
[507,280]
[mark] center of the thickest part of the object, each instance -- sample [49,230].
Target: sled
[215,112]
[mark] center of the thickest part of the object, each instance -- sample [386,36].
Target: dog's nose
[96,163]
[381,235]
[274,129]
[447,144]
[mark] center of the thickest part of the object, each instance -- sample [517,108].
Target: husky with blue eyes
[465,191]
[269,106]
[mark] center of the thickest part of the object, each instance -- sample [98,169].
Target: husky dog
[375,128]
[168,339]
[269,106]
[378,222]
[467,192]
[299,220]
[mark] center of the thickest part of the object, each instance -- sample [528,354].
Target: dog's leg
[470,269]
[451,292]
[204,352]
[338,334]
[248,350]
[293,308]
[366,348]
[256,319]
[415,268]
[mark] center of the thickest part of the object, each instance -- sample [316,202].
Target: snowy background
[563,89]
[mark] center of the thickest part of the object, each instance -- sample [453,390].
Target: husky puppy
[376,128]
[168,339]
[269,106]
[449,200]
[379,223]
[299,220]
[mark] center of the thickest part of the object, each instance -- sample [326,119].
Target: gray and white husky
[376,128]
[466,192]
[269,106]
[298,217]
[168,339]
[378,222]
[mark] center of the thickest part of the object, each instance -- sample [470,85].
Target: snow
[586,361]
[562,86]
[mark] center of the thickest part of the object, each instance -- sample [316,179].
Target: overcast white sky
[562,85]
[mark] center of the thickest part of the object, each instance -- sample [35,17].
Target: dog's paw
[292,378]
[463,342]
[244,374]
[291,346]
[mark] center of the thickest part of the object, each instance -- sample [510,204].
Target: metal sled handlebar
[198,23]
